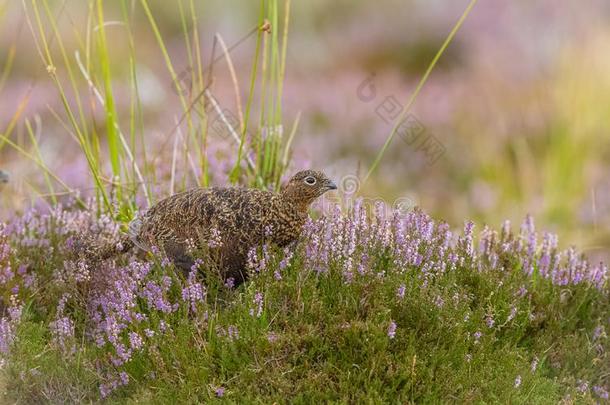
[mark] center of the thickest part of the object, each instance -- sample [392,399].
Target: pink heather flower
[466,241]
[194,292]
[105,390]
[62,329]
[6,275]
[124,378]
[113,383]
[477,336]
[400,293]
[154,295]
[518,381]
[489,320]
[166,282]
[123,353]
[135,341]
[258,305]
[155,250]
[255,263]
[139,317]
[600,391]
[220,392]
[8,325]
[15,310]
[527,227]
[272,337]
[78,271]
[361,268]
[286,260]
[583,386]
[363,263]
[599,275]
[486,241]
[513,312]
[348,277]
[7,335]
[196,266]
[232,332]
[392,330]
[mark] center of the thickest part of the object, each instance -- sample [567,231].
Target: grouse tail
[92,252]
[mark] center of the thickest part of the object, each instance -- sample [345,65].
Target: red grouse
[225,221]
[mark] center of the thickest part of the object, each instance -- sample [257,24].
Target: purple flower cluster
[112,383]
[62,328]
[489,321]
[392,330]
[284,263]
[194,292]
[400,292]
[600,391]
[6,272]
[8,322]
[257,262]
[119,305]
[231,332]
[156,293]
[8,325]
[36,228]
[416,241]
[257,305]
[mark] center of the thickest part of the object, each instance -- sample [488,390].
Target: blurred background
[513,120]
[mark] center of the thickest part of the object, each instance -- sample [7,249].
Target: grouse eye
[310,180]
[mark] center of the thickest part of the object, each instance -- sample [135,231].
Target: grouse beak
[330,185]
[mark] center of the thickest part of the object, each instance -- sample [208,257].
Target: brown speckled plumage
[238,218]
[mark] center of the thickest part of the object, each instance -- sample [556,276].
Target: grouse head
[305,186]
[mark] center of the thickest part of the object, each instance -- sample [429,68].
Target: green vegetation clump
[391,309]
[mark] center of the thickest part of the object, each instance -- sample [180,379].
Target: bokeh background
[518,103]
